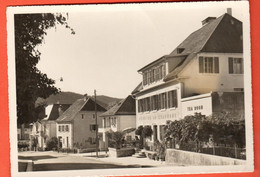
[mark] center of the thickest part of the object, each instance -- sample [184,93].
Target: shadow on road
[33,158]
[80,166]
[22,166]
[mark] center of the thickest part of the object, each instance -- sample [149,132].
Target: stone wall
[174,156]
[124,152]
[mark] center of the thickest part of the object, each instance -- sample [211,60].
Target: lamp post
[96,124]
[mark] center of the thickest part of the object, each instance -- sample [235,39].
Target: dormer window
[180,50]
[154,74]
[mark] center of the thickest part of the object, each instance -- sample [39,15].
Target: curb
[29,166]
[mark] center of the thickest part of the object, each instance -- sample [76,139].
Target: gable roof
[79,105]
[138,88]
[222,35]
[54,112]
[124,107]
[196,40]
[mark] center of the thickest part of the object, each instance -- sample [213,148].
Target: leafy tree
[115,139]
[147,131]
[31,83]
[198,128]
[139,132]
[52,144]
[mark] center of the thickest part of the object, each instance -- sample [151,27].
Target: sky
[113,41]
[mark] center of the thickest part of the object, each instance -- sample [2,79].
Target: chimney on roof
[208,20]
[60,110]
[229,11]
[85,97]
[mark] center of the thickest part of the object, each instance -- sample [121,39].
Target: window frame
[232,65]
[208,65]
[93,127]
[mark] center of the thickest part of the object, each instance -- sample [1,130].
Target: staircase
[139,154]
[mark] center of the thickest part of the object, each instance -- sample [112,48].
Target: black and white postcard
[130,89]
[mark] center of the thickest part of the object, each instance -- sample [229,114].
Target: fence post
[236,151]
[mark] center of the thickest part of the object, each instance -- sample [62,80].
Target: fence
[225,151]
[233,152]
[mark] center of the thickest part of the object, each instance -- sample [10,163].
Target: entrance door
[59,142]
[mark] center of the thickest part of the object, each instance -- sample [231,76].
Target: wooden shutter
[144,79]
[159,102]
[175,99]
[169,99]
[230,65]
[201,65]
[216,65]
[165,100]
[155,102]
[242,65]
[163,71]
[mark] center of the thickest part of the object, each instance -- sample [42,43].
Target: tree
[198,129]
[52,144]
[147,131]
[139,132]
[115,139]
[31,83]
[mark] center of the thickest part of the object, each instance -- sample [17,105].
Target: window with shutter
[163,71]
[159,102]
[208,64]
[172,99]
[201,64]
[92,127]
[230,65]
[175,99]
[235,65]
[164,101]
[216,64]
[156,102]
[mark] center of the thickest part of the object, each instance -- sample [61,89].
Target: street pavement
[44,161]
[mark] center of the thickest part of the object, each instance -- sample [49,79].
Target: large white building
[203,74]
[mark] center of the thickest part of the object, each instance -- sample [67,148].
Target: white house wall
[52,127]
[200,83]
[159,117]
[64,135]
[82,134]
[197,104]
[127,121]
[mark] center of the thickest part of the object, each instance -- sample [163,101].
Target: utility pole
[96,124]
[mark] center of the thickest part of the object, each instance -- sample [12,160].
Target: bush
[139,130]
[68,150]
[52,144]
[24,145]
[115,139]
[147,131]
[193,131]
[159,148]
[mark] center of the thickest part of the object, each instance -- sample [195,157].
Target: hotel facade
[204,74]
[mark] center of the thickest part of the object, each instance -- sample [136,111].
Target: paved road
[46,161]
